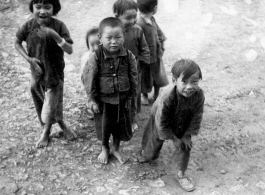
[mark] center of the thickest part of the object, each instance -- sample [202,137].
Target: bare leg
[156,92]
[145,99]
[116,151]
[69,134]
[104,155]
[44,138]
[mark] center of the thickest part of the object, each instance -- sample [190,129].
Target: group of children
[122,65]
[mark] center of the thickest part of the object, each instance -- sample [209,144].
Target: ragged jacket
[110,80]
[177,115]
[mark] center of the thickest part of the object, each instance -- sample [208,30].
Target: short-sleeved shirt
[46,49]
[154,36]
[135,42]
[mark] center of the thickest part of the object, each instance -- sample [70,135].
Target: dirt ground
[225,37]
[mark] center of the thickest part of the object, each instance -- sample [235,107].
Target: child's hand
[128,104]
[95,108]
[186,143]
[48,32]
[35,65]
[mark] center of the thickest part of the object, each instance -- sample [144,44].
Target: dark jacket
[177,115]
[109,80]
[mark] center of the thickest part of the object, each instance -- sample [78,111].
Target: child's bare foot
[104,156]
[70,135]
[43,141]
[121,158]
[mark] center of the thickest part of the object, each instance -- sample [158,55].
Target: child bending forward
[110,79]
[176,115]
[47,38]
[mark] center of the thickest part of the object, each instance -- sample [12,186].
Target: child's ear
[116,15]
[173,80]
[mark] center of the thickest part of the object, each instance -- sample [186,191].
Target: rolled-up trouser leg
[181,158]
[151,144]
[37,92]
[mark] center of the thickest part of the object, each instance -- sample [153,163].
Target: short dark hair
[121,6]
[111,22]
[146,6]
[186,67]
[91,31]
[55,3]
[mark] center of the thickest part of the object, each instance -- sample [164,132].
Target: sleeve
[89,76]
[64,33]
[144,52]
[195,123]
[132,74]
[161,35]
[22,32]
[163,118]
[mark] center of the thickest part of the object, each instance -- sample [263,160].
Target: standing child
[153,75]
[110,79]
[176,115]
[47,38]
[92,42]
[126,11]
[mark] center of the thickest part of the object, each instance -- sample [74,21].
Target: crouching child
[176,115]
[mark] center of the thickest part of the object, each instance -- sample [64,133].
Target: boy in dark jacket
[110,80]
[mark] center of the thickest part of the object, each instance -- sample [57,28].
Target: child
[176,115]
[92,42]
[47,38]
[153,75]
[126,11]
[110,79]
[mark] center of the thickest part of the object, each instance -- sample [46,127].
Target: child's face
[93,41]
[189,86]
[112,39]
[43,12]
[128,18]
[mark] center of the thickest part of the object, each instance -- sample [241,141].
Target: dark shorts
[113,120]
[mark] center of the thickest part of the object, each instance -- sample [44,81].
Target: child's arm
[144,52]
[89,76]
[49,32]
[161,37]
[132,75]
[33,61]
[163,118]
[195,123]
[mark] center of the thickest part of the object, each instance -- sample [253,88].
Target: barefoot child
[92,42]
[176,115]
[126,11]
[110,79]
[47,38]
[153,75]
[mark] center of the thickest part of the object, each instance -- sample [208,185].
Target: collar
[122,52]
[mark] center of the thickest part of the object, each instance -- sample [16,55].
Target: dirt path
[228,156]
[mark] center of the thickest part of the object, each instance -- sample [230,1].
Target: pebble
[223,171]
[261,185]
[158,183]
[262,42]
[216,193]
[237,188]
[124,192]
[251,55]
[252,39]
